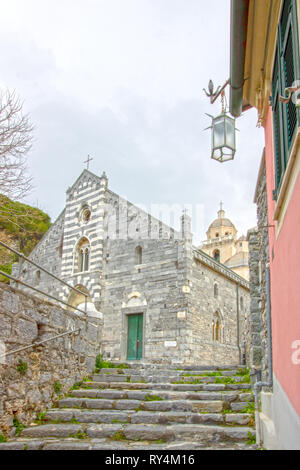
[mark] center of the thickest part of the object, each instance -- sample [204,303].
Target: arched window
[82,256]
[138,255]
[216,290]
[242,303]
[216,327]
[216,255]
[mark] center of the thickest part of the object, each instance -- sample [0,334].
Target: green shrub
[76,386]
[150,397]
[22,367]
[19,426]
[250,408]
[41,417]
[225,380]
[246,379]
[251,438]
[243,371]
[119,436]
[57,387]
[101,364]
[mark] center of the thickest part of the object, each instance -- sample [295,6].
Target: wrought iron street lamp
[223,137]
[223,128]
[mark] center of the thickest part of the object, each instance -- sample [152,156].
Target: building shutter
[277,124]
[285,73]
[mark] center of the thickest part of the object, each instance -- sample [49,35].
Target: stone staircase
[150,407]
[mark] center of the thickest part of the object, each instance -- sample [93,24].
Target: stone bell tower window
[216,255]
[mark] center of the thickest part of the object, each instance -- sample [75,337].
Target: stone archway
[77,300]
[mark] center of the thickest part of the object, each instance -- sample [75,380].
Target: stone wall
[25,319]
[153,287]
[259,259]
[215,296]
[254,346]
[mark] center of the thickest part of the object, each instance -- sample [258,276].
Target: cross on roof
[221,205]
[88,161]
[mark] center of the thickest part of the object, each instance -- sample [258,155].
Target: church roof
[221,221]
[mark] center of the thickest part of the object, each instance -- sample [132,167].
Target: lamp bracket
[214,95]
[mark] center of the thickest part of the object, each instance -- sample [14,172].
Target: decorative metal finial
[214,95]
[88,161]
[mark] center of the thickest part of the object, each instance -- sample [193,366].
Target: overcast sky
[122,80]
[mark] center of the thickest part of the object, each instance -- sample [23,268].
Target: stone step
[162,378]
[166,372]
[104,444]
[167,386]
[136,378]
[227,396]
[212,406]
[205,434]
[146,417]
[198,367]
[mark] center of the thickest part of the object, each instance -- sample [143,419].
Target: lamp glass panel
[230,132]
[219,132]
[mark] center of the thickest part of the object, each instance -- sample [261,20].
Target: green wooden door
[135,336]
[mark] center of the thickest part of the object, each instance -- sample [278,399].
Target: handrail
[40,291]
[43,269]
[40,342]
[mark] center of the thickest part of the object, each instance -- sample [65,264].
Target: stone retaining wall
[52,368]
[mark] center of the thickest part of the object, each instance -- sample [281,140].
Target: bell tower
[223,245]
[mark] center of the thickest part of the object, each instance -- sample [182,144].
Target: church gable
[85,182]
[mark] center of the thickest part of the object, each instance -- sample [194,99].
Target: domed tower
[222,245]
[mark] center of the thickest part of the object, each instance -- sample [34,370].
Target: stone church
[160,298]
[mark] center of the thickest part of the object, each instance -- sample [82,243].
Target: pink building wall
[285,280]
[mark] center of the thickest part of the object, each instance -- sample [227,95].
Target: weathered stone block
[27,330]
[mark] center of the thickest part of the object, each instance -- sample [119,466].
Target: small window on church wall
[242,303]
[216,290]
[82,255]
[216,255]
[138,255]
[216,327]
[217,235]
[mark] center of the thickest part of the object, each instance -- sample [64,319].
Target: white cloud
[122,80]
